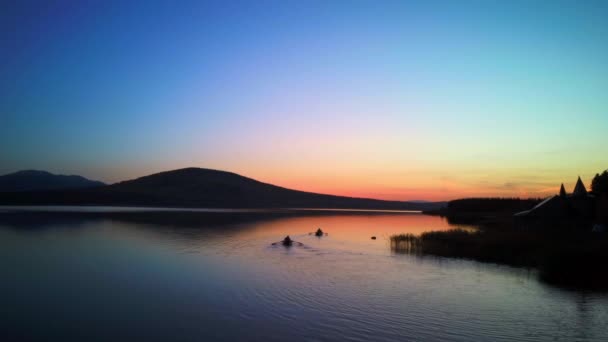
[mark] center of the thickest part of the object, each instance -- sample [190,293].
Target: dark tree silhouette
[600,183]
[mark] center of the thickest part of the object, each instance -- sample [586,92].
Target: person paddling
[287,241]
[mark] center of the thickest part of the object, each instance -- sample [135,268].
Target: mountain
[204,188]
[33,180]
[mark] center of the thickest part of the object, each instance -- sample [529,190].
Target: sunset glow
[401,101]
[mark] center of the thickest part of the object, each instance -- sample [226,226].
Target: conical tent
[579,188]
[562,191]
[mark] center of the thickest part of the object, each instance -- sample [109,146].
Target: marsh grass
[577,259]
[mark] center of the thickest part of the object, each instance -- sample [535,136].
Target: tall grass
[562,257]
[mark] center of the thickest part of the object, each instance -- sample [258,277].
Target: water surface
[120,274]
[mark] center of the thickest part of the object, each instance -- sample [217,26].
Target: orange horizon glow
[399,185]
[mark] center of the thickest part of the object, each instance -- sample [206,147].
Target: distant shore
[190,188]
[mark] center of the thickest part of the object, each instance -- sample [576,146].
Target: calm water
[109,274]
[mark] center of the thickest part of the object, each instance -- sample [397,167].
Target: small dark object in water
[373,238]
[319,232]
[287,241]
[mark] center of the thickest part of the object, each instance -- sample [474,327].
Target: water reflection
[215,276]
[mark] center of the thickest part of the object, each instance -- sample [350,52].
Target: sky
[400,100]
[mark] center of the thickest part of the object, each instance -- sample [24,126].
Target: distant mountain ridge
[35,180]
[204,188]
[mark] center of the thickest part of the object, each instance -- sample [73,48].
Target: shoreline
[568,258]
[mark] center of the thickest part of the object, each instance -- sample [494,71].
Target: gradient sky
[395,100]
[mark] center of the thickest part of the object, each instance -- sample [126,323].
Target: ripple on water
[229,283]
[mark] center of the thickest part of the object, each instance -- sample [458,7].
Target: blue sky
[433,99]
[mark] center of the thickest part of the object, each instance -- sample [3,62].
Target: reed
[567,258]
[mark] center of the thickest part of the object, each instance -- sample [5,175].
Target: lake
[147,274]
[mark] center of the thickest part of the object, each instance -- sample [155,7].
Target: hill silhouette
[34,180]
[203,188]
